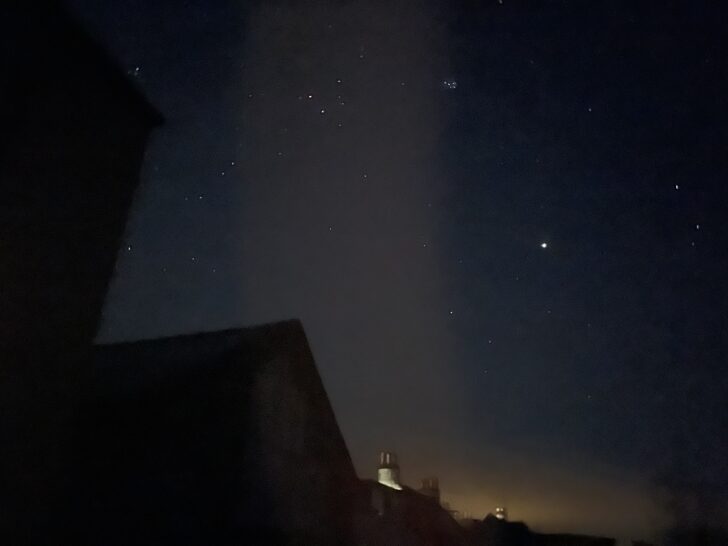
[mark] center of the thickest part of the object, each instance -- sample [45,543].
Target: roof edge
[293,324]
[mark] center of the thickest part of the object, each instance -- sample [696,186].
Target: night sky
[501,223]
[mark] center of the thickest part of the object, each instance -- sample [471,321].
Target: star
[544,245]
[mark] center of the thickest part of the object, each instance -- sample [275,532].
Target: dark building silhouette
[74,132]
[567,539]
[494,531]
[71,146]
[396,515]
[431,488]
[219,438]
[408,518]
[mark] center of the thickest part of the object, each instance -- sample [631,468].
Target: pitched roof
[130,365]
[228,431]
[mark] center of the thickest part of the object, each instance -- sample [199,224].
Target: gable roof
[230,432]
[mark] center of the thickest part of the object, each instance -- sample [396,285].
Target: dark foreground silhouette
[221,438]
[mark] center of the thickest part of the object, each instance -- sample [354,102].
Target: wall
[71,146]
[223,437]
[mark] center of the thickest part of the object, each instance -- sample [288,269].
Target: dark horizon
[500,224]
